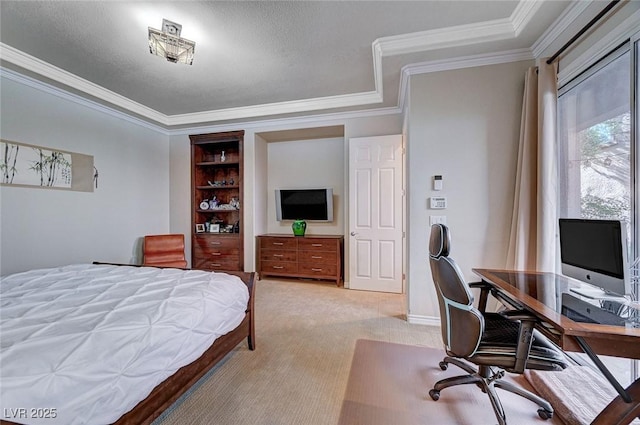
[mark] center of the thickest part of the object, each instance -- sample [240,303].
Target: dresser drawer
[318,257]
[225,263]
[318,269]
[217,253]
[207,243]
[317,244]
[278,267]
[278,255]
[278,243]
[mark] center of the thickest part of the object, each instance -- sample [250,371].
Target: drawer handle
[278,267]
[215,264]
[278,243]
[278,255]
[316,270]
[215,243]
[216,253]
[317,257]
[316,244]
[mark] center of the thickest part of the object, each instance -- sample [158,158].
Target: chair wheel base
[545,414]
[434,394]
[443,365]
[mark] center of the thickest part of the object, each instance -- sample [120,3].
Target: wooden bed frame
[177,384]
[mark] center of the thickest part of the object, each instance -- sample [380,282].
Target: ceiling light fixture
[168,44]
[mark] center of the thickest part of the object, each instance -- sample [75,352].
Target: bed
[100,343]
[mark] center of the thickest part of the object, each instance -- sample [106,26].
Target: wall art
[29,165]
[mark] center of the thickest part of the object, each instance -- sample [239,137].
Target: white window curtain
[532,244]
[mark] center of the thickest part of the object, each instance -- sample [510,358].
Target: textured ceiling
[251,54]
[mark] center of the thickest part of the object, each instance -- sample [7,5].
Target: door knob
[353,233]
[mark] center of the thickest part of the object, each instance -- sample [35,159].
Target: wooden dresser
[316,257]
[219,253]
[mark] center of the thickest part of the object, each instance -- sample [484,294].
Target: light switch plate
[437,219]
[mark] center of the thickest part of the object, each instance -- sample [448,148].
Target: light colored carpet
[298,374]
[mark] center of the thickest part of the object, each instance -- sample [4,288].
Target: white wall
[315,163]
[42,227]
[463,125]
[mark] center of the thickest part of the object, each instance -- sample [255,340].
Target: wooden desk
[538,293]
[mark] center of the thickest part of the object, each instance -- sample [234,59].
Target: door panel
[375,213]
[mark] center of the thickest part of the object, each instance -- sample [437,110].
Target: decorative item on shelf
[236,227]
[206,226]
[213,203]
[222,157]
[200,228]
[299,227]
[234,203]
[231,181]
[214,228]
[204,205]
[211,183]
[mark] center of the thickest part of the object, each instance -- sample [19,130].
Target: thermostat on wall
[437,202]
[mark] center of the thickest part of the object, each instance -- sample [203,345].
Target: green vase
[299,227]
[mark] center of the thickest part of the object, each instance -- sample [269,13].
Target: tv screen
[594,251]
[304,204]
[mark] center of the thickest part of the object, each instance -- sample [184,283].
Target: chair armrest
[525,335]
[481,285]
[485,288]
[521,315]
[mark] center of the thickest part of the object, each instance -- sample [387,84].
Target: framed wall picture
[199,228]
[214,228]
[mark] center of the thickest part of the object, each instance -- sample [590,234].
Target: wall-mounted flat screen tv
[304,204]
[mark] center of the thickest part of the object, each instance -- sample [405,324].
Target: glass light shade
[174,49]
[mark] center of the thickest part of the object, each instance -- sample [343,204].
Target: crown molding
[600,48]
[458,63]
[304,105]
[460,35]
[30,63]
[336,118]
[80,100]
[559,26]
[498,29]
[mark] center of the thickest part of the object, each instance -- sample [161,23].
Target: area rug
[389,384]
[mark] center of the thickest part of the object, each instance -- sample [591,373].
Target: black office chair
[494,342]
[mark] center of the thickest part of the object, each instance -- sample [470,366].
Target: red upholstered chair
[163,251]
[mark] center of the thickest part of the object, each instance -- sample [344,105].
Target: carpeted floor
[389,384]
[307,334]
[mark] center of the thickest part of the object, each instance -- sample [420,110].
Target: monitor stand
[597,294]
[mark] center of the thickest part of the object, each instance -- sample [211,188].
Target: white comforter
[83,344]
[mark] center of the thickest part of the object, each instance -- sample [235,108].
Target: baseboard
[416,319]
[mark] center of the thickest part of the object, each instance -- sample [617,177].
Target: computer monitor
[595,252]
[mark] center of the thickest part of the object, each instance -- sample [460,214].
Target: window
[594,119]
[598,154]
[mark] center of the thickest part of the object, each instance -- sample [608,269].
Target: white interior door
[375,213]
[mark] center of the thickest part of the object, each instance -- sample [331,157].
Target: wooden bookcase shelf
[223,179]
